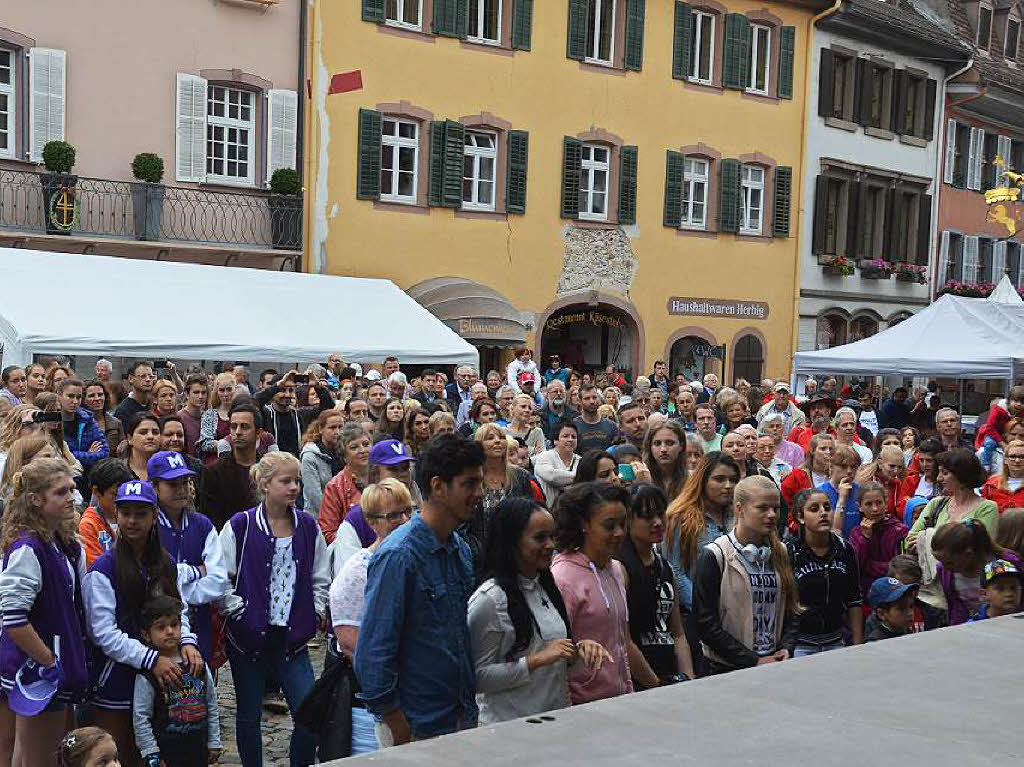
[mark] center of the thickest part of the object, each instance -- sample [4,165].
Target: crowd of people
[475,549]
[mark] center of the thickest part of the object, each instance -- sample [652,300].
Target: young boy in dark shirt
[1000,590]
[892,603]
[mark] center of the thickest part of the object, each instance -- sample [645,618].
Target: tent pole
[960,404]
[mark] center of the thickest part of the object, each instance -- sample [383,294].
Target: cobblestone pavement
[277,728]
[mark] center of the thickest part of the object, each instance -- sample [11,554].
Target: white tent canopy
[55,303]
[953,338]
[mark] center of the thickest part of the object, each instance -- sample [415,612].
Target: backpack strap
[934,516]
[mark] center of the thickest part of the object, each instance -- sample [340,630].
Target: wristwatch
[151,760]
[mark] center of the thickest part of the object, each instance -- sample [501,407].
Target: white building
[872,141]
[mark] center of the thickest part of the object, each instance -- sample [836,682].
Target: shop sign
[717,351]
[589,318]
[489,329]
[718,307]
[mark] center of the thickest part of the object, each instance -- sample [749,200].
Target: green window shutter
[674,162]
[627,185]
[515,173]
[681,41]
[454,150]
[451,18]
[368,171]
[729,196]
[576,46]
[634,51]
[787,52]
[572,160]
[435,190]
[522,24]
[373,10]
[783,195]
[736,66]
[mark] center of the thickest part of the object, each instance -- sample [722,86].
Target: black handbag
[327,710]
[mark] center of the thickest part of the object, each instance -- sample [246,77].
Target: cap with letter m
[136,491]
[167,464]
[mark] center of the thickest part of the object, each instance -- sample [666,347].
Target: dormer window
[984,27]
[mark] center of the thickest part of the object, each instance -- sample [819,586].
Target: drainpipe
[798,261]
[301,113]
[940,154]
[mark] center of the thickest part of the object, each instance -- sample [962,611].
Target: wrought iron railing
[41,202]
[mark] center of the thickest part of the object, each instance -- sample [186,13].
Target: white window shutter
[46,100]
[970,259]
[1019,276]
[976,158]
[943,260]
[1004,150]
[998,260]
[190,129]
[282,127]
[947,171]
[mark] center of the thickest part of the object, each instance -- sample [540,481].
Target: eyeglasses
[394,516]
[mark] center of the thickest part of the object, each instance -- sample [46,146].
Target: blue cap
[136,491]
[167,464]
[34,688]
[885,591]
[389,452]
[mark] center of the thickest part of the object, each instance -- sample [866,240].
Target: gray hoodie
[316,473]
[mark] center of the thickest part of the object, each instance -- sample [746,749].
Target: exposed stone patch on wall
[597,259]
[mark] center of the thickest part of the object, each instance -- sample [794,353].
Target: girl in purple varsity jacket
[277,559]
[41,602]
[114,591]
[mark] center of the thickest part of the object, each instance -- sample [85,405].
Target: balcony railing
[93,207]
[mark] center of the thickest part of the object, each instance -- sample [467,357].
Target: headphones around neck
[756,555]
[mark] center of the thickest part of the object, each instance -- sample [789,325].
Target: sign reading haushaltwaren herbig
[718,307]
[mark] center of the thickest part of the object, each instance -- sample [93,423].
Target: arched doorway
[748,359]
[591,336]
[694,357]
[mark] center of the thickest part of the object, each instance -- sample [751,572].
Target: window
[594,182]
[748,361]
[1012,38]
[983,270]
[862,327]
[7,102]
[984,27]
[760,58]
[230,134]
[702,47]
[478,170]
[1013,263]
[873,223]
[880,97]
[954,263]
[399,155]
[908,208]
[600,30]
[752,188]
[989,169]
[913,107]
[485,21]
[961,155]
[695,193]
[403,13]
[836,213]
[831,331]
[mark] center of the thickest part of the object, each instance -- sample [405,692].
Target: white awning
[56,303]
[952,338]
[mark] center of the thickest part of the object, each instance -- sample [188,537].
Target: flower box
[907,272]
[967,289]
[836,266]
[875,269]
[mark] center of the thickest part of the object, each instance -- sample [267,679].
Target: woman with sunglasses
[386,505]
[655,624]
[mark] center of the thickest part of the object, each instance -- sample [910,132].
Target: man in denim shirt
[413,658]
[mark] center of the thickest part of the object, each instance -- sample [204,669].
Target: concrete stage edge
[948,697]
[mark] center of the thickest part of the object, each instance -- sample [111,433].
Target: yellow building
[609,180]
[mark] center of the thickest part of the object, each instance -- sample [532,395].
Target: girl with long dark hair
[655,624]
[114,590]
[963,549]
[522,639]
[665,457]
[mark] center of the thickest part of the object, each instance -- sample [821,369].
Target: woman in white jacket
[556,468]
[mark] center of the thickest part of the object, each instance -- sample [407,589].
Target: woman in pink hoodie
[591,520]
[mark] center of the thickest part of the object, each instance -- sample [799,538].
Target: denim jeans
[802,650]
[251,676]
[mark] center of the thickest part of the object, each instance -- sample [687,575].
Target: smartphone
[626,473]
[301,378]
[160,364]
[42,417]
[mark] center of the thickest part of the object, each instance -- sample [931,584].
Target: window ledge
[401,207]
[757,96]
[481,215]
[703,87]
[879,133]
[702,233]
[913,141]
[486,47]
[604,69]
[841,124]
[582,223]
[407,32]
[225,186]
[14,163]
[753,236]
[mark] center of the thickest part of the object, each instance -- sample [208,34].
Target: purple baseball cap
[388,452]
[34,688]
[167,464]
[136,491]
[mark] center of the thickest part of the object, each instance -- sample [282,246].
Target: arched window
[863,326]
[748,362]
[831,331]
[694,356]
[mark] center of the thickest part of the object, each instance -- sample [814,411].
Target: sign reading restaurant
[718,307]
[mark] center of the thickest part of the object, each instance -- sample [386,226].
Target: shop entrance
[589,337]
[695,357]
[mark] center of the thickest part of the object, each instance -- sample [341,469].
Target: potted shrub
[836,266]
[59,209]
[875,269]
[148,195]
[285,205]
